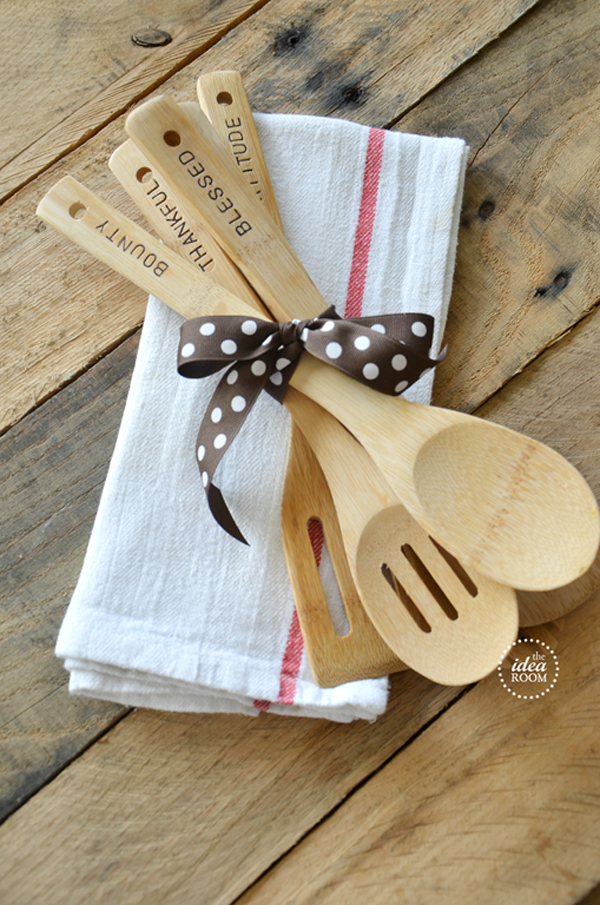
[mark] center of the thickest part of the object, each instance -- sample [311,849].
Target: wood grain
[173,808]
[526,268]
[544,834]
[83,68]
[195,808]
[497,801]
[41,349]
[52,468]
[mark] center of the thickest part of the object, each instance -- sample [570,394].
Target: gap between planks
[132,87]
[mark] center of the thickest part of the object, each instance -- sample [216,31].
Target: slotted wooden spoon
[448,657]
[471,619]
[223,99]
[505,505]
[334,659]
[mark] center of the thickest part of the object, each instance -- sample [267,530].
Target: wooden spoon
[469,636]
[451,626]
[453,651]
[223,99]
[333,658]
[505,505]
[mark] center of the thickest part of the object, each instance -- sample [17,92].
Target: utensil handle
[166,212]
[127,248]
[224,101]
[217,190]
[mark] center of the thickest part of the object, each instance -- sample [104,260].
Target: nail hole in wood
[353,94]
[409,605]
[561,280]
[151,37]
[486,209]
[224,98]
[77,210]
[172,139]
[290,39]
[143,174]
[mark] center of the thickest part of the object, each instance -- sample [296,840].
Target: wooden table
[454,795]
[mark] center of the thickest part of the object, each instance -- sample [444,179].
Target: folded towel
[169,611]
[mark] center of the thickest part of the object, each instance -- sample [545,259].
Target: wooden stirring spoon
[223,99]
[456,652]
[333,658]
[505,505]
[451,629]
[445,623]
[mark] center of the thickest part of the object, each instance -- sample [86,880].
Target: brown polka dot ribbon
[387,353]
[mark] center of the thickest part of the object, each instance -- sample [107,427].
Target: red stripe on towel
[294,648]
[295,643]
[364,228]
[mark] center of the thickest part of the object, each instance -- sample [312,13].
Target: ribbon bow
[388,353]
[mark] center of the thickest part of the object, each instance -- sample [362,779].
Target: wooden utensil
[470,621]
[224,101]
[506,505]
[444,622]
[456,652]
[334,659]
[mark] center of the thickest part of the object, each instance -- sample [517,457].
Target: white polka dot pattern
[256,354]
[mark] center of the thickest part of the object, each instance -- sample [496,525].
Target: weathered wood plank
[188,808]
[78,68]
[557,399]
[60,311]
[496,801]
[529,243]
[493,801]
[91,790]
[52,467]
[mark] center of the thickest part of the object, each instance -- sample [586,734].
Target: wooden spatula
[333,658]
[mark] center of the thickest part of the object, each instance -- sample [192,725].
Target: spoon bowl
[451,626]
[506,505]
[445,622]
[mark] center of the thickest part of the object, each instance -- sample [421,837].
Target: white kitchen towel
[170,612]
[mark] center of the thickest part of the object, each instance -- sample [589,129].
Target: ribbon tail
[222,515]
